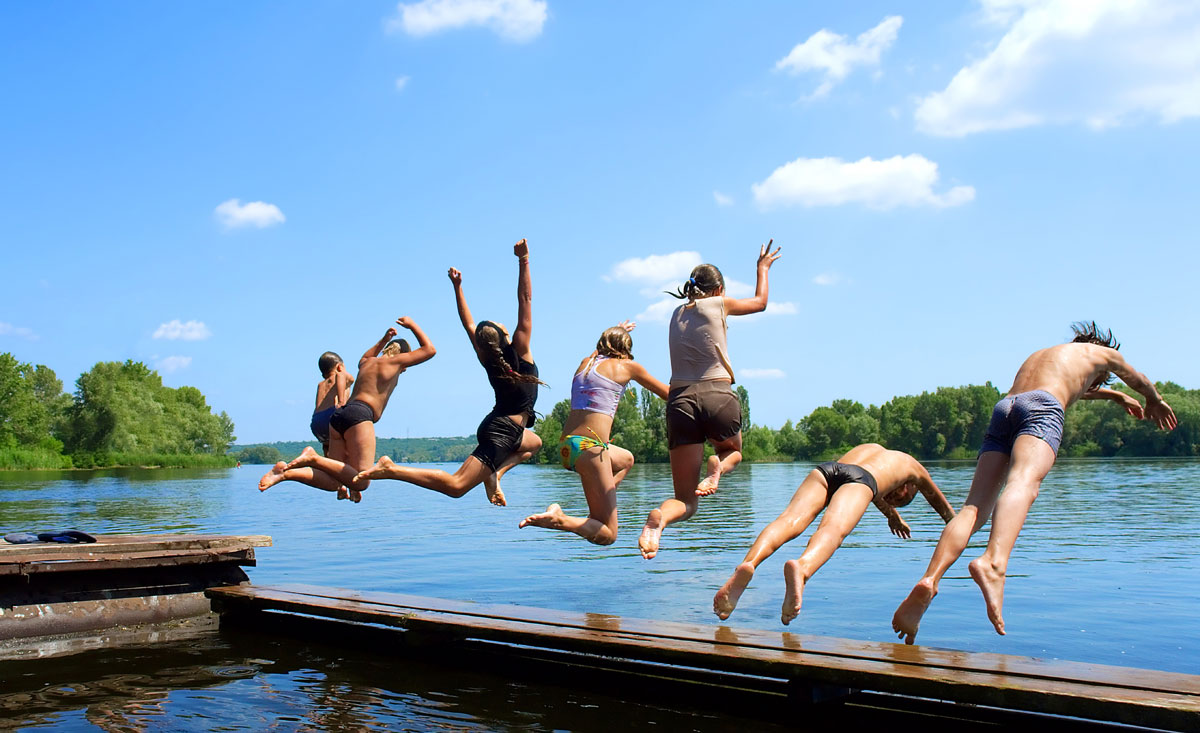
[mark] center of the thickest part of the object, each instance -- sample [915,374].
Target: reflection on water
[1105,570]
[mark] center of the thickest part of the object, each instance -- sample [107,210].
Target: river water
[1105,571]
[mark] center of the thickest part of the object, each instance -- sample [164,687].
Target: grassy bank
[35,459]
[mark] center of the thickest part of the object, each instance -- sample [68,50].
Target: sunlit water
[1105,570]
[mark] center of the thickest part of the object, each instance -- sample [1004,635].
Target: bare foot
[648,542]
[991,582]
[272,477]
[491,484]
[355,496]
[381,469]
[304,460]
[343,493]
[550,519]
[907,618]
[708,485]
[726,599]
[793,594]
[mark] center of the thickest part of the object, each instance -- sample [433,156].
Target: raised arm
[460,300]
[757,304]
[1131,405]
[378,347]
[643,377]
[523,333]
[1156,409]
[424,351]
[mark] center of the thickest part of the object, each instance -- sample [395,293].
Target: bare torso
[584,422]
[376,379]
[891,468]
[327,390]
[1066,371]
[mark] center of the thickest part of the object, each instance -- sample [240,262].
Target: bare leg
[600,526]
[685,464]
[985,487]
[843,514]
[343,473]
[728,455]
[455,485]
[804,507]
[621,461]
[530,444]
[1032,459]
[309,476]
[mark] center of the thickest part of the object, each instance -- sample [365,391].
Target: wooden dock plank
[997,680]
[110,544]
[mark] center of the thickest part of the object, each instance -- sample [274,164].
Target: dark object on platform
[21,538]
[65,535]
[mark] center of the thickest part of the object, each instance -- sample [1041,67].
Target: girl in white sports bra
[596,392]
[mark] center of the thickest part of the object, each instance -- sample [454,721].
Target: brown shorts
[703,411]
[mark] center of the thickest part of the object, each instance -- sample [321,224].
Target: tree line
[120,414]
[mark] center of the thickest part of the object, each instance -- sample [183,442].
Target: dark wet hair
[491,344]
[400,344]
[615,343]
[705,280]
[1089,333]
[328,362]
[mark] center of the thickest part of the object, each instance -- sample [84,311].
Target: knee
[535,443]
[604,537]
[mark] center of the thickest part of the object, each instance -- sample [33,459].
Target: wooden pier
[808,668]
[49,589]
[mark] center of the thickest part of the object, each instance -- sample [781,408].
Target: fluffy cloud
[656,269]
[233,214]
[1099,62]
[7,329]
[173,363]
[401,82]
[514,20]
[876,184]
[178,330]
[722,199]
[832,53]
[769,373]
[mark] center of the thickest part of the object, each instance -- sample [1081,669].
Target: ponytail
[704,281]
[492,343]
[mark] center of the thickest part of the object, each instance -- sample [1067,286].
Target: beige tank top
[697,341]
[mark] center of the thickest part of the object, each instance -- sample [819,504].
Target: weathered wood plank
[124,560]
[1017,683]
[107,544]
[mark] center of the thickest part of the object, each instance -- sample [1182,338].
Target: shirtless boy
[331,394]
[867,474]
[352,432]
[1020,447]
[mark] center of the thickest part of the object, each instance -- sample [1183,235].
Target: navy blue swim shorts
[1035,413]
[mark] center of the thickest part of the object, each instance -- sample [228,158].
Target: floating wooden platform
[814,665]
[120,580]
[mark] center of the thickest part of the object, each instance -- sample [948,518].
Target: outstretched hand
[521,249]
[455,276]
[627,325]
[1161,414]
[406,322]
[899,528]
[1132,406]
[766,257]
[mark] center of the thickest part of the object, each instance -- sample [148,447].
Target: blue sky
[225,190]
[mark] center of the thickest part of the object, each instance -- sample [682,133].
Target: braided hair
[491,344]
[704,281]
[615,343]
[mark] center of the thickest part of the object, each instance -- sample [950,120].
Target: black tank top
[513,398]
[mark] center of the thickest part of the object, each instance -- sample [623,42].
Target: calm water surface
[1105,570]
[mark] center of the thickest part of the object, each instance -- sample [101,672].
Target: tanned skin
[1070,372]
[332,391]
[898,475]
[377,377]
[600,469]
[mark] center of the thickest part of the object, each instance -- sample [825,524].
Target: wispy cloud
[233,214]
[170,364]
[177,330]
[722,199]
[513,20]
[768,373]
[827,279]
[832,53]
[1100,63]
[401,82]
[7,329]
[877,184]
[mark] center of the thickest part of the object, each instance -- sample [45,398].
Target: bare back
[621,371]
[377,378]
[891,468]
[327,390]
[1066,371]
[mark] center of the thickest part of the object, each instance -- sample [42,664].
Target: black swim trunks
[499,437]
[839,474]
[320,426]
[351,414]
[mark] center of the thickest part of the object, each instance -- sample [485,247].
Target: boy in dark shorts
[352,425]
[1021,445]
[331,394]
[868,474]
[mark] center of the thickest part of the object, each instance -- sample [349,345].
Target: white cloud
[1096,62]
[513,20]
[233,214]
[658,273]
[876,184]
[401,82]
[722,199]
[7,329]
[178,330]
[656,269]
[830,52]
[173,363]
[769,373]
[827,278]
